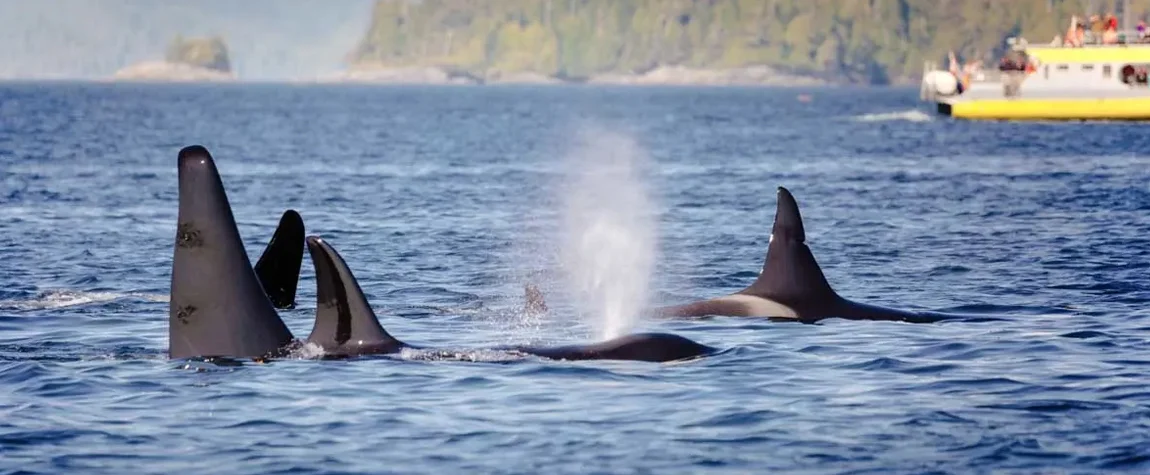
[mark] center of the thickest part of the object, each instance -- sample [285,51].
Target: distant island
[186,59]
[769,42]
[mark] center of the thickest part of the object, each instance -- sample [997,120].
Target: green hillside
[209,53]
[860,41]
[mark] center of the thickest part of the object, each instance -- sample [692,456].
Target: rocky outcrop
[186,59]
[207,53]
[519,77]
[165,71]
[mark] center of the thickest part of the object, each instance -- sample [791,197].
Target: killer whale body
[346,326]
[279,265]
[219,309]
[791,285]
[217,306]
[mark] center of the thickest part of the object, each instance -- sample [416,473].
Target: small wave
[483,356]
[60,298]
[911,115]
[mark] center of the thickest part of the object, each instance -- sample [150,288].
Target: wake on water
[62,298]
[910,115]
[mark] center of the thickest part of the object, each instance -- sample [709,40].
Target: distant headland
[632,42]
[714,42]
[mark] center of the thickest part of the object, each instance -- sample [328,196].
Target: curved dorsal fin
[790,274]
[278,267]
[344,321]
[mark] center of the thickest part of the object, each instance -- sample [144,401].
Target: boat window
[1063,67]
[1087,67]
[1106,71]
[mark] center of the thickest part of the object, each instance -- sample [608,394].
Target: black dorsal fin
[344,321]
[217,305]
[790,274]
[279,265]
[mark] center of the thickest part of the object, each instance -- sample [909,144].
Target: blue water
[445,201]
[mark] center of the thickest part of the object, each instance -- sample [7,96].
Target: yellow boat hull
[1127,108]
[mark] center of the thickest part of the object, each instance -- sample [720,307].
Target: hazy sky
[267,39]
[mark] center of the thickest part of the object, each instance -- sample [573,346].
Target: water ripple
[445,201]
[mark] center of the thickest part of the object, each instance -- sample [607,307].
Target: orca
[346,326]
[278,267]
[217,306]
[791,285]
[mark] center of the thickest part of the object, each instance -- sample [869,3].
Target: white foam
[60,298]
[911,115]
[486,356]
[309,351]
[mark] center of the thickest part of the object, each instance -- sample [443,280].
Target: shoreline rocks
[397,75]
[684,76]
[661,76]
[169,71]
[523,77]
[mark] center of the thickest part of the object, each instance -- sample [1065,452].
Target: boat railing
[986,76]
[981,75]
[1090,40]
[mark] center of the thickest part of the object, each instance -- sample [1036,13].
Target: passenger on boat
[1015,64]
[960,72]
[1071,32]
[1076,34]
[1141,30]
[1110,36]
[1097,29]
[1016,59]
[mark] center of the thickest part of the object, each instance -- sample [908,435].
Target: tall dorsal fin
[217,305]
[278,267]
[790,273]
[344,321]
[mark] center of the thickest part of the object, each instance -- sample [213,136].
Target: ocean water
[447,201]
